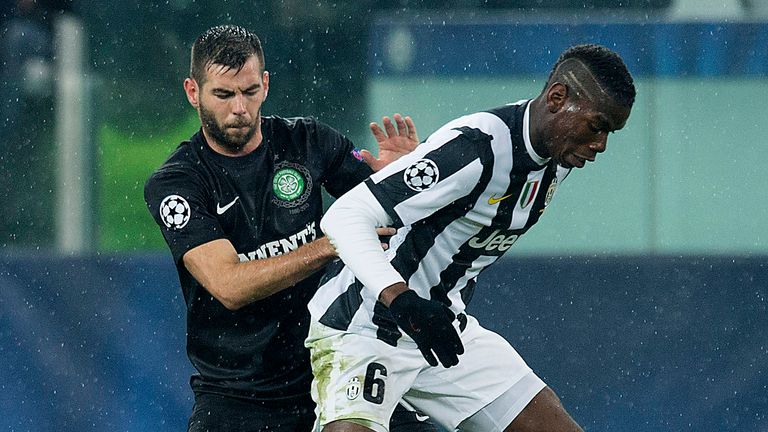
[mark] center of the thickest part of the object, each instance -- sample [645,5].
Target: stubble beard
[232,140]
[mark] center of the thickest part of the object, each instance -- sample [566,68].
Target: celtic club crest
[291,185]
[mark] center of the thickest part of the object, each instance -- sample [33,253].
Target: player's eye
[597,129]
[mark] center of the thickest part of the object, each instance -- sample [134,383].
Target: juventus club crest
[550,192]
[353,388]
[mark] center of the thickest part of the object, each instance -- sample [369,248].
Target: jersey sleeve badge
[421,175]
[175,212]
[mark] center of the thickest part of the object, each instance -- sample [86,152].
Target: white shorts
[361,379]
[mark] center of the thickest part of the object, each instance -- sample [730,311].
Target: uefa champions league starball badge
[175,212]
[421,175]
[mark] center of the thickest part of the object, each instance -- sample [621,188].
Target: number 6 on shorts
[373,388]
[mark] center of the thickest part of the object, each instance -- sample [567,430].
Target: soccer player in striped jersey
[387,325]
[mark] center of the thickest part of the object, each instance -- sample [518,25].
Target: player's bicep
[438,173]
[344,167]
[178,204]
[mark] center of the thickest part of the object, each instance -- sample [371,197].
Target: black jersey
[266,203]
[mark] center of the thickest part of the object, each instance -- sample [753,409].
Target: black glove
[429,323]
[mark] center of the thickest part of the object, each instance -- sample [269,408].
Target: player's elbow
[341,213]
[225,296]
[331,222]
[232,304]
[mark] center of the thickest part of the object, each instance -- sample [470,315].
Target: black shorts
[213,413]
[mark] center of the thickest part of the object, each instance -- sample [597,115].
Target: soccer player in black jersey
[461,199]
[239,205]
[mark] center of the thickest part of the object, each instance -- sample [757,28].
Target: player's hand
[384,235]
[429,324]
[394,143]
[325,246]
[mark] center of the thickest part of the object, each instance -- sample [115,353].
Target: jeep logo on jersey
[495,241]
[291,185]
[529,193]
[422,175]
[175,212]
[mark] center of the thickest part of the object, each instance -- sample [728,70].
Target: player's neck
[537,108]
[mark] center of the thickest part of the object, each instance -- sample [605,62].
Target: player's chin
[240,134]
[572,161]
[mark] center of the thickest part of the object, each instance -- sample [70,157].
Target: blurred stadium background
[641,297]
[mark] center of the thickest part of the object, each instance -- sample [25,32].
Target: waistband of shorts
[320,330]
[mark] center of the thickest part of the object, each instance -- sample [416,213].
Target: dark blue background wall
[92,344]
[508,47]
[640,344]
[630,344]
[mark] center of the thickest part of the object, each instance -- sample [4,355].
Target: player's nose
[600,144]
[238,105]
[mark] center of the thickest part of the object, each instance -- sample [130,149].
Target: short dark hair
[226,45]
[606,66]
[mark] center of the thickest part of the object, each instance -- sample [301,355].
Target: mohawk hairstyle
[227,45]
[606,66]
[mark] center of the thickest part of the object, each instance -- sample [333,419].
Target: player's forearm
[216,266]
[350,224]
[258,279]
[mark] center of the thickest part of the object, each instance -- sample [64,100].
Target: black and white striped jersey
[461,200]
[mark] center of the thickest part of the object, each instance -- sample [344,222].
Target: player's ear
[265,79]
[557,95]
[192,91]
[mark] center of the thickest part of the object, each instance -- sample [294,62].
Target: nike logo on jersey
[221,210]
[493,200]
[421,418]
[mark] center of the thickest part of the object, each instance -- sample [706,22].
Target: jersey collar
[527,137]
